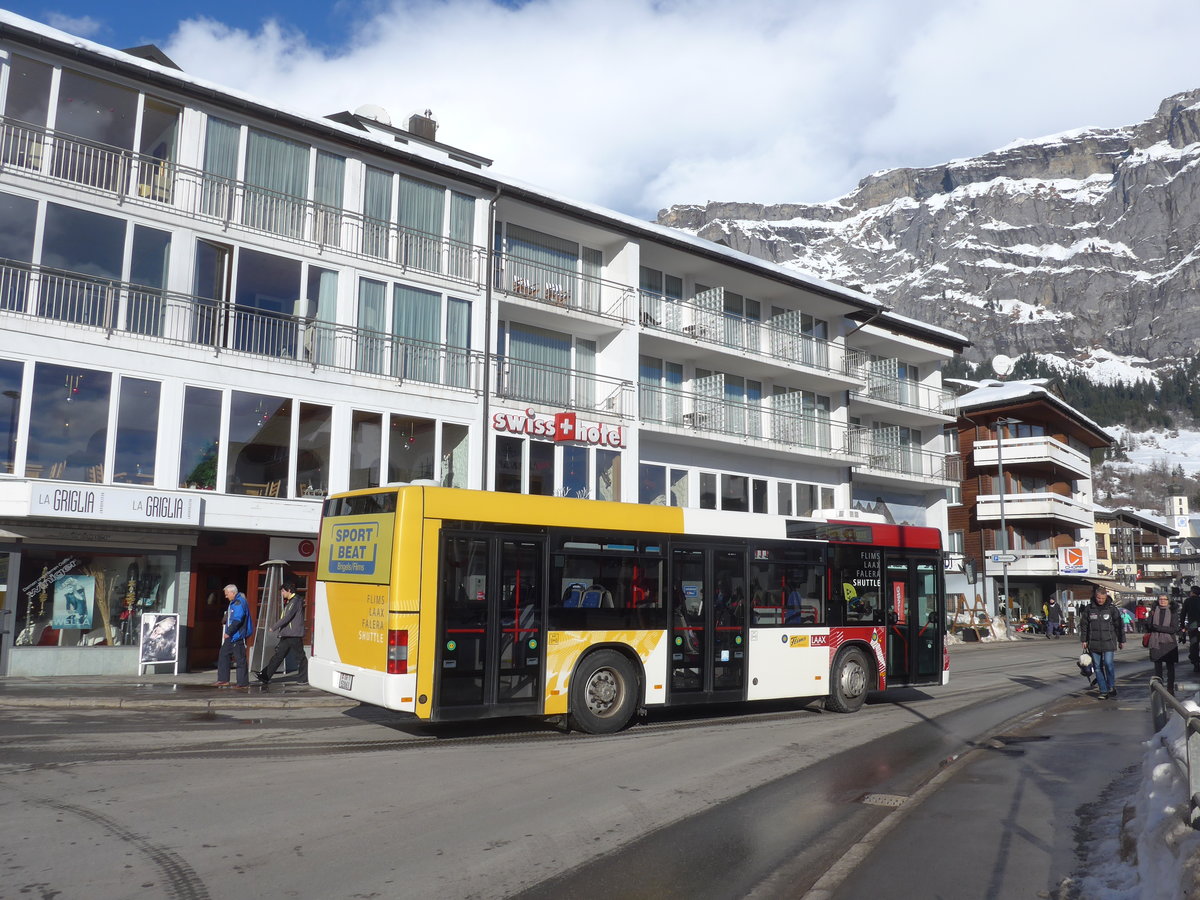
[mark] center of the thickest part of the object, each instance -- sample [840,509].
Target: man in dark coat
[290,628]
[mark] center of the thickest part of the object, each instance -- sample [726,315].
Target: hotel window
[462,236]
[510,464]
[11,375]
[313,435]
[708,490]
[652,484]
[608,475]
[421,213]
[259,446]
[266,295]
[679,487]
[137,433]
[411,451]
[456,455]
[576,469]
[328,191]
[77,241]
[220,167]
[735,493]
[366,437]
[198,458]
[377,212]
[541,468]
[661,298]
[276,184]
[68,423]
[100,112]
[18,220]
[148,271]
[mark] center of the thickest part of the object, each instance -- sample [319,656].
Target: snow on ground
[1103,366]
[1153,854]
[1145,448]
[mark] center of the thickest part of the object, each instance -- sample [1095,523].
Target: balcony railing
[691,320]
[897,391]
[912,462]
[563,288]
[146,180]
[743,420]
[528,382]
[1039,449]
[116,307]
[1028,505]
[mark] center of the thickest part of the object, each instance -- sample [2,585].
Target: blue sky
[639,104]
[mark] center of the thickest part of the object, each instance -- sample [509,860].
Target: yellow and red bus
[454,605]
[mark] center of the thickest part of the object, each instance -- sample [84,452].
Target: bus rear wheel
[603,693]
[850,681]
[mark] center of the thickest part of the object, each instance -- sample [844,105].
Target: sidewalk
[189,690]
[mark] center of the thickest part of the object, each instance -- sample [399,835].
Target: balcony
[1035,505]
[898,393]
[563,289]
[775,340]
[561,388]
[1024,450]
[135,178]
[759,423]
[113,308]
[888,461]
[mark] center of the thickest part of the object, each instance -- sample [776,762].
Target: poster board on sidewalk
[159,644]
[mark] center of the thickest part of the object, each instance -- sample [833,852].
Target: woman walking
[1163,639]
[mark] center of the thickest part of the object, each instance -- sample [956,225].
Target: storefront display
[86,599]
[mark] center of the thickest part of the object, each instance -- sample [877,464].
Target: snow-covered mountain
[1060,245]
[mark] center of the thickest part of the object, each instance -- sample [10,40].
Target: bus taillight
[397,652]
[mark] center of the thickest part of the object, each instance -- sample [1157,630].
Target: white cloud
[638,104]
[84,26]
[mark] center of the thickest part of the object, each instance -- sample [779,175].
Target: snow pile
[1168,849]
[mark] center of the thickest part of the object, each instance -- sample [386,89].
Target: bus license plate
[345,681]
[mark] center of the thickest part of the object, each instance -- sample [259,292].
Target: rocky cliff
[1086,239]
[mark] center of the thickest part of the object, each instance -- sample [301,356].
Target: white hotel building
[214,312]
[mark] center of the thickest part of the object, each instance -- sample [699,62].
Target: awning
[1113,587]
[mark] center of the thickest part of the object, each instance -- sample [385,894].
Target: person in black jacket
[1191,621]
[1102,631]
[290,628]
[1163,639]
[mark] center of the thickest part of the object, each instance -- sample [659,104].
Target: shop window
[259,445]
[652,484]
[541,468]
[456,455]
[68,425]
[366,435]
[410,448]
[87,600]
[679,487]
[608,475]
[137,433]
[312,450]
[10,389]
[758,495]
[783,498]
[734,493]
[575,472]
[509,464]
[201,433]
[708,490]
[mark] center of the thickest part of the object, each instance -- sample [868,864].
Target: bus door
[915,620]
[490,626]
[708,623]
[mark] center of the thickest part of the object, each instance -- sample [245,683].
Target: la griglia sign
[561,427]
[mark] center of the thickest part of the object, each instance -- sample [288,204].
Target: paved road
[218,802]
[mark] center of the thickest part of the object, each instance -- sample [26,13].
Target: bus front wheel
[603,693]
[850,681]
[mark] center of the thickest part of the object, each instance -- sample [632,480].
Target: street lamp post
[1003,524]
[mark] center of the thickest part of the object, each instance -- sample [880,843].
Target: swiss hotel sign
[563,427]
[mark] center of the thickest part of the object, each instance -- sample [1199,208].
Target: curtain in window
[462,234]
[372,337]
[276,184]
[650,395]
[319,334]
[539,365]
[541,265]
[327,192]
[220,166]
[585,386]
[417,320]
[458,341]
[377,208]
[593,264]
[422,207]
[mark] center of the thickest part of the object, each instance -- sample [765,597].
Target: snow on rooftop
[992,393]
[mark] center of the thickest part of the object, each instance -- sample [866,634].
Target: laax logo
[1073,556]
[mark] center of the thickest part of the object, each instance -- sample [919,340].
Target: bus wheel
[603,693]
[849,682]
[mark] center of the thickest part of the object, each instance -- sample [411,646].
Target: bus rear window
[361,504]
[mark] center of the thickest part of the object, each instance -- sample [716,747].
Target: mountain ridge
[1085,239]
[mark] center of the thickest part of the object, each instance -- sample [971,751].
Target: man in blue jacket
[236,628]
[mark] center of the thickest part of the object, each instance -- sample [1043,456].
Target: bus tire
[604,693]
[849,681]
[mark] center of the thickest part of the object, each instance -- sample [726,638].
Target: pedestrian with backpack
[236,628]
